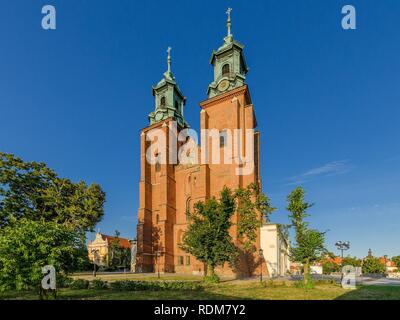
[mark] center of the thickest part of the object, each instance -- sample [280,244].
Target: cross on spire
[169,59]
[228,24]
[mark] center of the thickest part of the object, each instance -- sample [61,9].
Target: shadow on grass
[108,294]
[372,292]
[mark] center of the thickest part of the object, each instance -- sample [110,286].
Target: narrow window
[162,102]
[158,165]
[188,260]
[180,261]
[222,138]
[225,70]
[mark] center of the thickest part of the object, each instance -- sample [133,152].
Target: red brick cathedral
[169,190]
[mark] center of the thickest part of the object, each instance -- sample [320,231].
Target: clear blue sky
[326,99]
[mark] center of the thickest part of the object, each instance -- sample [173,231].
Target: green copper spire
[169,100]
[229,64]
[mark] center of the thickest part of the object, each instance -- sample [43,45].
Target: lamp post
[158,254]
[261,253]
[95,253]
[342,246]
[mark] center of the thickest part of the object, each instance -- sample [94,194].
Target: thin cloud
[329,169]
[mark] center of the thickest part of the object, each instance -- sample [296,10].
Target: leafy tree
[253,207]
[351,261]
[33,191]
[396,260]
[372,265]
[329,267]
[309,245]
[27,246]
[207,236]
[118,256]
[43,220]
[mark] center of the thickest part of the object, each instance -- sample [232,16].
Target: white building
[275,245]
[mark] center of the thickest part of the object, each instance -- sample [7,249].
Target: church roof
[123,242]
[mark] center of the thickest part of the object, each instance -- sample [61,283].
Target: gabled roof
[124,243]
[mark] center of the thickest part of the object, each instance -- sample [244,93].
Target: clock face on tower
[159,116]
[223,85]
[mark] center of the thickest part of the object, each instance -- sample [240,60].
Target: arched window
[158,164]
[162,102]
[188,208]
[177,105]
[158,218]
[225,70]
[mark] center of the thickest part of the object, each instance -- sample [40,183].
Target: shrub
[64,281]
[211,279]
[79,284]
[130,285]
[99,284]
[330,267]
[372,265]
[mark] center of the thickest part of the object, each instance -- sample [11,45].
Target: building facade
[168,190]
[275,245]
[98,249]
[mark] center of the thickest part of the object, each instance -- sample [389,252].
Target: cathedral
[168,190]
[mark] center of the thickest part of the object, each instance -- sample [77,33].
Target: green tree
[329,267]
[118,256]
[43,220]
[396,260]
[351,261]
[372,265]
[309,246]
[33,191]
[253,207]
[207,237]
[27,246]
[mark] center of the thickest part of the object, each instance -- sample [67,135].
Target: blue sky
[326,99]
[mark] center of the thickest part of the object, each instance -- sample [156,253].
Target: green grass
[229,290]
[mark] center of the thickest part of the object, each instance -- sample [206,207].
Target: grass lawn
[230,290]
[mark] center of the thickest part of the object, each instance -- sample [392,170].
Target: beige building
[98,248]
[275,245]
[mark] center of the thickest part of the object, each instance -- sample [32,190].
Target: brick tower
[169,190]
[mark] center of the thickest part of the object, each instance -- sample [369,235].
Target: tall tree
[27,246]
[207,236]
[253,208]
[396,260]
[33,191]
[43,220]
[309,246]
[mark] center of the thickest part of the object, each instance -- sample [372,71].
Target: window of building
[180,260]
[188,260]
[222,138]
[158,218]
[176,105]
[225,70]
[158,164]
[162,102]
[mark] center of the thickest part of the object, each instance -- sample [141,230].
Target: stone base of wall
[394,275]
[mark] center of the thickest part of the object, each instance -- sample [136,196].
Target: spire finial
[169,59]
[228,23]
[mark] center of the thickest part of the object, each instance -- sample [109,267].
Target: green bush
[131,285]
[99,284]
[79,284]
[211,279]
[64,281]
[330,267]
[372,265]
